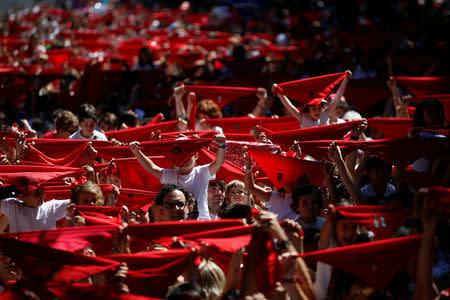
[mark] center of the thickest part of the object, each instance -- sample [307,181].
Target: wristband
[223,146]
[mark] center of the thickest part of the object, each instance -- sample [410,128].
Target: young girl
[316,112]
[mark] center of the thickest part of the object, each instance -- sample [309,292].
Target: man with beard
[216,195]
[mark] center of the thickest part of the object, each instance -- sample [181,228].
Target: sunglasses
[171,205]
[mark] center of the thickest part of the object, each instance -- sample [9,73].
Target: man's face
[215,198]
[175,207]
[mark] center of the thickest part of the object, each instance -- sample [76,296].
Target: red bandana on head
[141,133]
[382,220]
[221,95]
[282,170]
[304,90]
[374,262]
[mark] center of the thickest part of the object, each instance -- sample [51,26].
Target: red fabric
[442,195]
[185,59]
[193,114]
[245,124]
[156,119]
[141,133]
[365,92]
[205,134]
[49,135]
[222,95]
[440,97]
[304,90]
[374,262]
[178,151]
[28,178]
[167,265]
[391,128]
[397,152]
[133,176]
[71,239]
[134,199]
[229,171]
[78,291]
[101,215]
[382,220]
[75,159]
[163,232]
[425,85]
[327,132]
[60,148]
[39,263]
[282,170]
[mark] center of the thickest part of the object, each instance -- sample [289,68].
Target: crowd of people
[244,150]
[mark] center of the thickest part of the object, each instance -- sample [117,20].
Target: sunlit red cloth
[100,215]
[167,265]
[282,170]
[177,150]
[89,291]
[374,263]
[382,220]
[222,95]
[29,178]
[60,148]
[425,85]
[39,263]
[305,90]
[396,151]
[327,132]
[141,133]
[201,134]
[245,124]
[71,239]
[229,171]
[391,128]
[75,159]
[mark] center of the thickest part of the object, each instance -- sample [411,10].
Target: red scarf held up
[141,133]
[391,128]
[442,195]
[374,263]
[425,85]
[229,171]
[221,95]
[74,159]
[382,220]
[178,151]
[60,148]
[245,124]
[304,90]
[71,239]
[101,215]
[327,132]
[282,170]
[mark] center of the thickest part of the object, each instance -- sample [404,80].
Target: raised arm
[400,104]
[145,162]
[178,93]
[260,108]
[334,153]
[288,105]
[214,167]
[331,108]
[249,180]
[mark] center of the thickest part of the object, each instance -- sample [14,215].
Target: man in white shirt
[193,178]
[216,196]
[87,116]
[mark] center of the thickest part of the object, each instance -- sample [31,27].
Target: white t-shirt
[307,122]
[25,218]
[196,183]
[280,204]
[97,135]
[323,276]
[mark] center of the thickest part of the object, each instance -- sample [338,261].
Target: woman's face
[238,195]
[346,232]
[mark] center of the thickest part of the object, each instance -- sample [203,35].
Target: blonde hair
[209,108]
[90,187]
[212,279]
